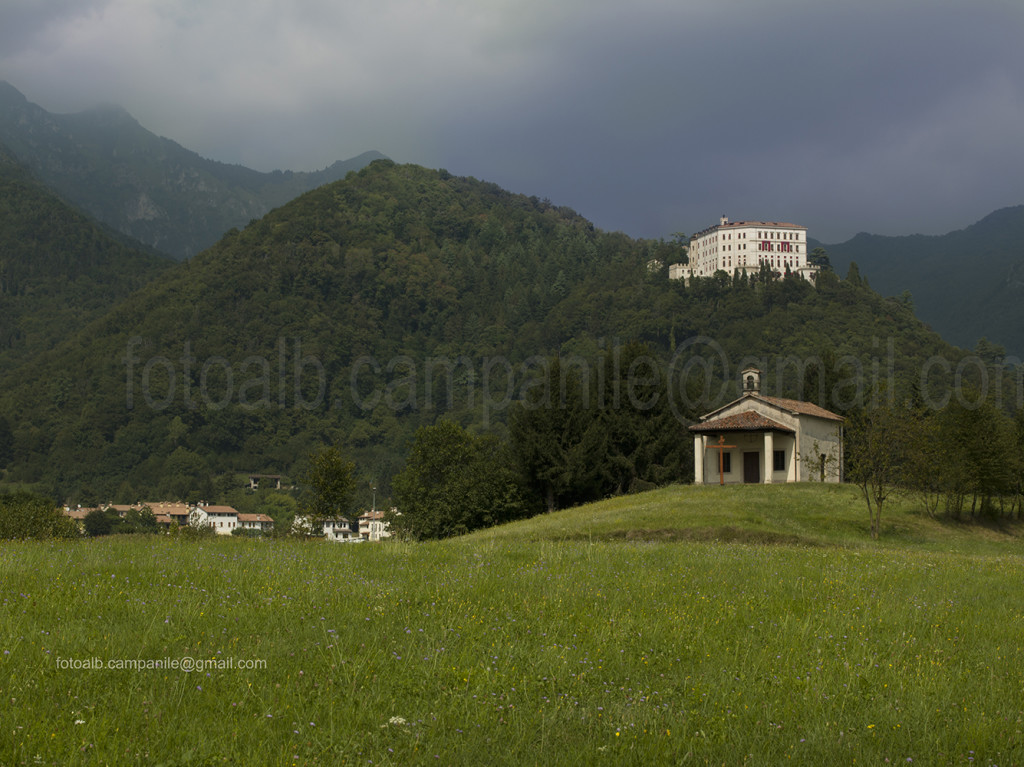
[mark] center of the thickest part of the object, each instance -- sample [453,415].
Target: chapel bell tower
[750,380]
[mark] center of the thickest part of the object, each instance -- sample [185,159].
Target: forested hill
[373,305]
[143,185]
[968,284]
[58,269]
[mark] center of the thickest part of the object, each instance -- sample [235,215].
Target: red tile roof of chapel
[793,406]
[748,420]
[799,406]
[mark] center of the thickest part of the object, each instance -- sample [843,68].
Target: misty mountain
[58,268]
[374,305]
[143,185]
[967,284]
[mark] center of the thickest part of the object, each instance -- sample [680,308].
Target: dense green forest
[375,305]
[58,268]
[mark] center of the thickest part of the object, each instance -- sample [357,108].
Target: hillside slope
[806,514]
[968,284]
[371,306]
[58,269]
[143,185]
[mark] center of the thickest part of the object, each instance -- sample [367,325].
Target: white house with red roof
[761,439]
[223,519]
[260,522]
[372,526]
[746,246]
[336,529]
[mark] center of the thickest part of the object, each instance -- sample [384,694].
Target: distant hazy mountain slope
[58,269]
[144,185]
[967,284]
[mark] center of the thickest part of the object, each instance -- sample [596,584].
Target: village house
[338,529]
[256,479]
[261,522]
[372,526]
[78,515]
[223,519]
[341,530]
[761,439]
[168,514]
[161,511]
[743,247]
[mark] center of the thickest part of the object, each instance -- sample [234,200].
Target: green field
[687,625]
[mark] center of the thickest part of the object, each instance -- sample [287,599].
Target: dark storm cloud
[864,119]
[650,117]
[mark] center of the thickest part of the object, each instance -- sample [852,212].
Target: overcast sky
[651,117]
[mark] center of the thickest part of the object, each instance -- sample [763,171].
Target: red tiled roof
[792,406]
[167,507]
[254,518]
[219,510]
[766,224]
[804,408]
[733,224]
[748,420]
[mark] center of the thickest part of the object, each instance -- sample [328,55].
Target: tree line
[963,461]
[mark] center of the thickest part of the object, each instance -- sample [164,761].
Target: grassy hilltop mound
[804,514]
[584,646]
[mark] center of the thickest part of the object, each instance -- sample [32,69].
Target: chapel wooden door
[752,468]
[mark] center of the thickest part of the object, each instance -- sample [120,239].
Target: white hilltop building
[744,247]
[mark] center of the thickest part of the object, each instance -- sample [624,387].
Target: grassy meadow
[686,625]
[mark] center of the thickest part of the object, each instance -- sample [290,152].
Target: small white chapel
[761,440]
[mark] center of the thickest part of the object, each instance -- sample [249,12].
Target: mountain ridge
[968,284]
[147,186]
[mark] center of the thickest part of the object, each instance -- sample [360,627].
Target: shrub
[24,516]
[99,522]
[196,531]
